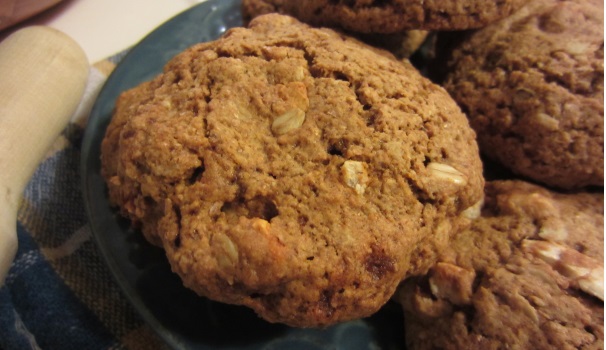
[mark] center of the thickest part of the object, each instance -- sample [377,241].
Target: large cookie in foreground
[528,274]
[533,88]
[292,170]
[391,16]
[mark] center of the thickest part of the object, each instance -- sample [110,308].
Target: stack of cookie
[528,271]
[293,169]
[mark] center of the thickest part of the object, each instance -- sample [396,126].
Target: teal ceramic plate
[181,318]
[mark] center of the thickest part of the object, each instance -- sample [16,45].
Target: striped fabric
[58,293]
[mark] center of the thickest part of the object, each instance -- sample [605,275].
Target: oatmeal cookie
[401,44]
[292,170]
[533,88]
[527,274]
[393,16]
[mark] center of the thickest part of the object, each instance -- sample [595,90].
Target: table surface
[106,27]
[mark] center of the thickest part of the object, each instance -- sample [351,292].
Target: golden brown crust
[292,170]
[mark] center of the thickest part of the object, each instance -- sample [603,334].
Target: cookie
[532,86]
[402,44]
[393,16]
[292,170]
[527,274]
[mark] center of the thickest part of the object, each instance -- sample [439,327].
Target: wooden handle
[43,76]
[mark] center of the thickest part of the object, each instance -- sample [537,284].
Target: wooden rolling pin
[43,74]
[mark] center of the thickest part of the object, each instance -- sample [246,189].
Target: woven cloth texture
[59,294]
